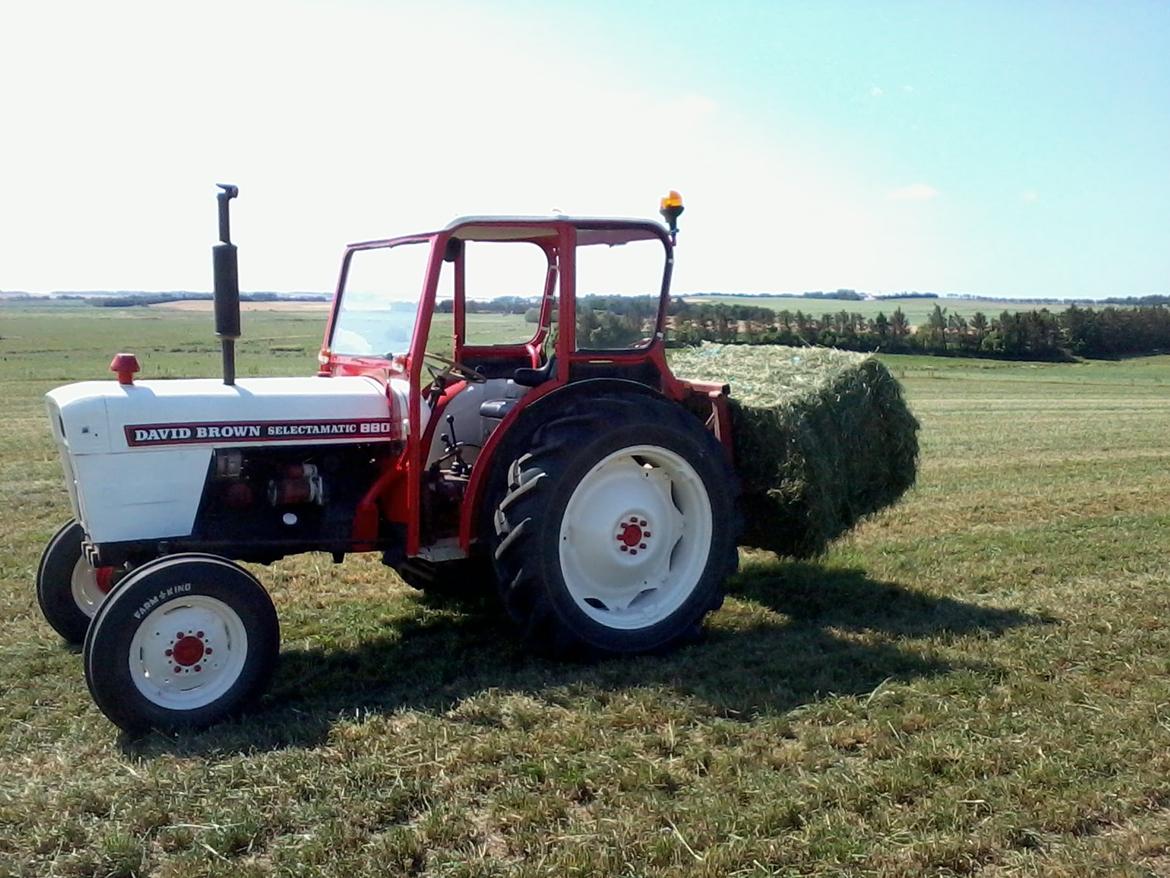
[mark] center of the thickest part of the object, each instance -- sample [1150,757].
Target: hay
[823,438]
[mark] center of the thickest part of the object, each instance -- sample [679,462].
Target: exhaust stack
[227,285]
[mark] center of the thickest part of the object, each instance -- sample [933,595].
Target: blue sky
[1000,149]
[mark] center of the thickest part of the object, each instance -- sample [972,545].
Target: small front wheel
[181,643]
[69,588]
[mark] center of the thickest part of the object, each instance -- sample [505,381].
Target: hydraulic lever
[454,448]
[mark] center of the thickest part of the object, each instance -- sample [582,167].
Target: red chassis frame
[395,495]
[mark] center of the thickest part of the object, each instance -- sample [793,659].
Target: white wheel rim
[635,537]
[188,652]
[83,584]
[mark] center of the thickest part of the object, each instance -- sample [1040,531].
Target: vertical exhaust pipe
[227,285]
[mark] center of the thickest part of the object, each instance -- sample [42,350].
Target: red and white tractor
[577,475]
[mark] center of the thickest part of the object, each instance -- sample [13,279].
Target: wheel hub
[636,568]
[187,650]
[105,579]
[632,534]
[187,653]
[89,585]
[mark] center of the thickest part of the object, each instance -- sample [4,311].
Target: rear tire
[181,643]
[618,529]
[69,588]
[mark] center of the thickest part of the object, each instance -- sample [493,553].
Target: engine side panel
[148,495]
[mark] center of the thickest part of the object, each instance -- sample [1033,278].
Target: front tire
[182,643]
[618,529]
[69,588]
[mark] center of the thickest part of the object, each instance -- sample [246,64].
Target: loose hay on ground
[822,439]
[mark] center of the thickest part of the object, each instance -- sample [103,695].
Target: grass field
[916,310]
[977,680]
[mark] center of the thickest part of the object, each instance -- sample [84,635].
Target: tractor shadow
[797,632]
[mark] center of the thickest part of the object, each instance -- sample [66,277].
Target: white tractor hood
[105,417]
[136,455]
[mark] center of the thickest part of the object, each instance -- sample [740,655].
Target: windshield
[379,301]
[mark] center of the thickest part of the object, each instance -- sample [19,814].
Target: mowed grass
[977,680]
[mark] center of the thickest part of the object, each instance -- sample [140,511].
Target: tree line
[617,321]
[1040,334]
[131,300]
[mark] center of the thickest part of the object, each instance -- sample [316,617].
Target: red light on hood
[124,366]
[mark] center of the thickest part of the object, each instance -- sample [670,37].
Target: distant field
[206,306]
[916,310]
[61,340]
[976,681]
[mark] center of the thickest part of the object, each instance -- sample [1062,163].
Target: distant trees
[847,295]
[502,305]
[130,300]
[1137,300]
[1112,332]
[899,325]
[606,322]
[1039,334]
[617,321]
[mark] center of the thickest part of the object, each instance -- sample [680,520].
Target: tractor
[569,470]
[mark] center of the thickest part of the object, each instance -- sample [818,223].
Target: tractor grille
[62,442]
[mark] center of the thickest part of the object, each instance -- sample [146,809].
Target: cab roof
[590,230]
[612,231]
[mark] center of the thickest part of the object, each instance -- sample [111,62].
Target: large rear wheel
[618,529]
[181,643]
[69,588]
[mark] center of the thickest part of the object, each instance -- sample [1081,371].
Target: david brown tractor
[572,472]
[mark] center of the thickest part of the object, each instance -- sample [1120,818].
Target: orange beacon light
[671,206]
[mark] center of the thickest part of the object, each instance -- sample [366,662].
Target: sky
[983,148]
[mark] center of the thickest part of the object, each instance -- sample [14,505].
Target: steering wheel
[453,368]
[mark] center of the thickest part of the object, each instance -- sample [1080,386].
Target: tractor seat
[496,409]
[529,377]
